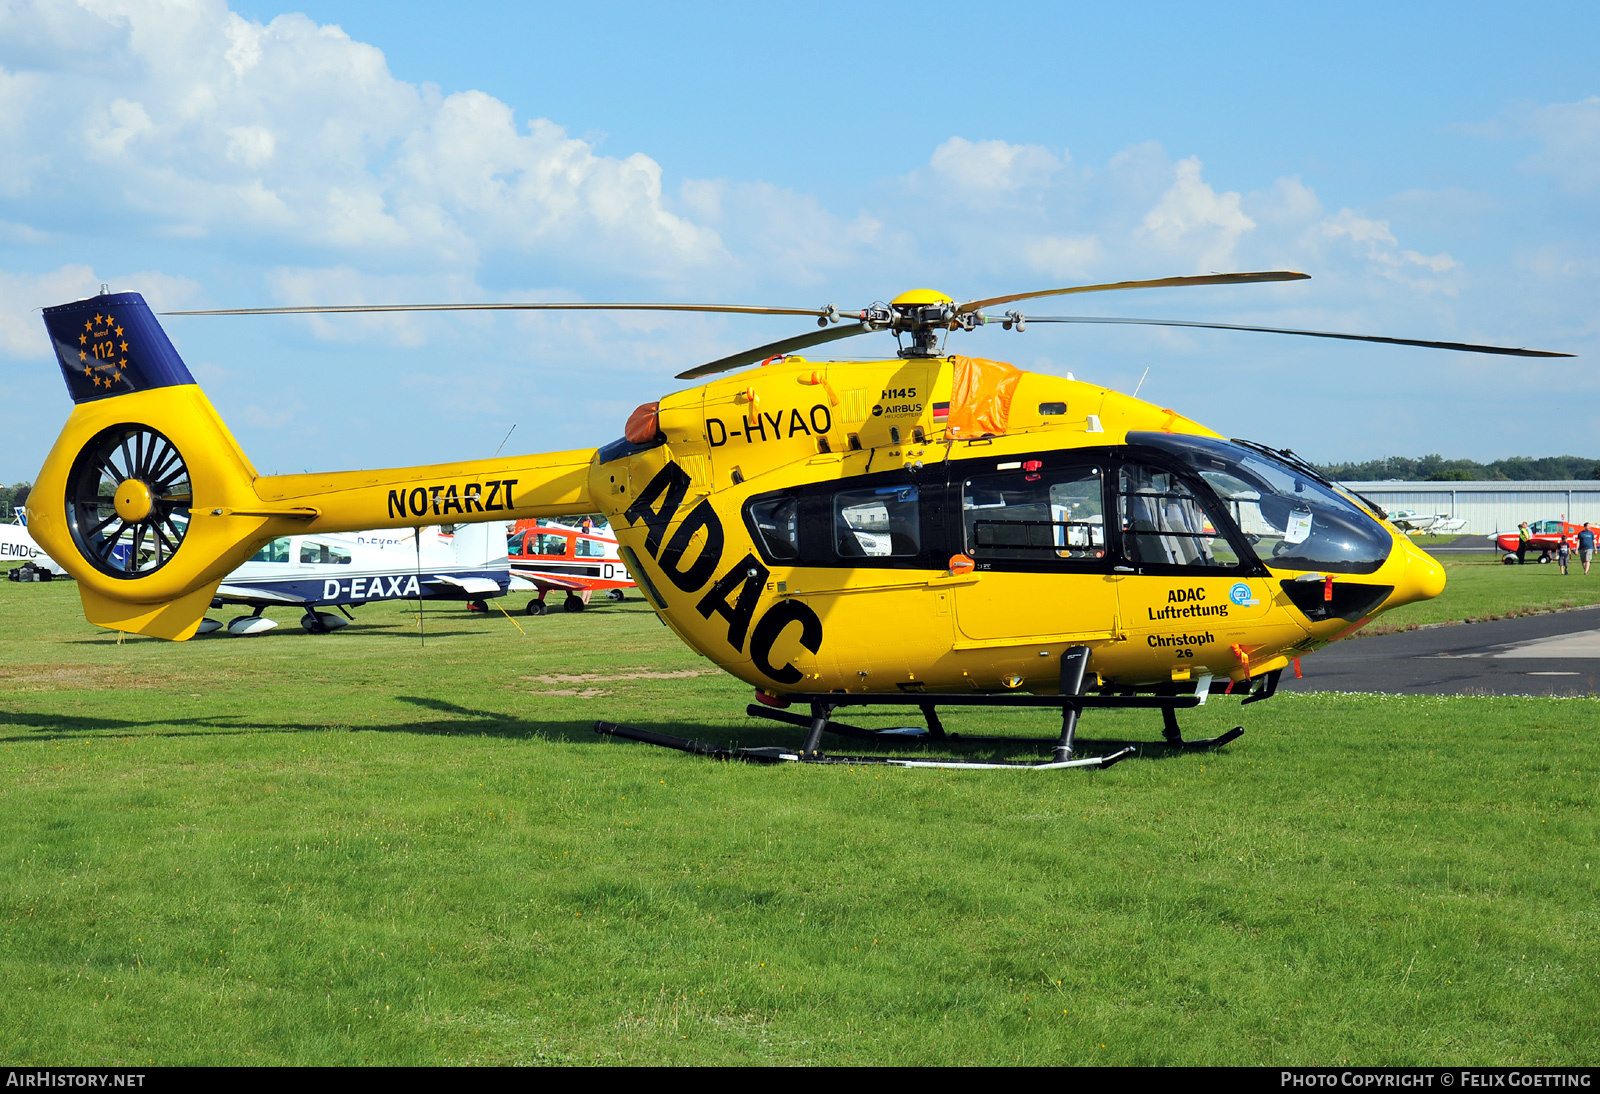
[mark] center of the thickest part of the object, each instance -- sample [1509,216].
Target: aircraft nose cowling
[1423,578]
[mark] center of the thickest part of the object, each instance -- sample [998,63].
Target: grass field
[351,849]
[1479,587]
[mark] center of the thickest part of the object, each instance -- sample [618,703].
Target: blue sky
[1436,168]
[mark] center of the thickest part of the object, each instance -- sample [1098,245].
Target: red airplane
[1544,536]
[578,561]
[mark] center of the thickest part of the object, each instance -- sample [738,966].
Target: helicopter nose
[1423,578]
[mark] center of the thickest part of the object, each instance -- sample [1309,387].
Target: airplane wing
[473,585]
[543,580]
[246,592]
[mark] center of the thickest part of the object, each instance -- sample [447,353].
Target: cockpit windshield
[1293,521]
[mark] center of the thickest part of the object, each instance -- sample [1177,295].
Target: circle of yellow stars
[103,331]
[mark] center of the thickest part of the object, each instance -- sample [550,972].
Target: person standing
[1563,553]
[1523,536]
[1586,546]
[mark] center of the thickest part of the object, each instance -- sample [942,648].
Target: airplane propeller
[921,315]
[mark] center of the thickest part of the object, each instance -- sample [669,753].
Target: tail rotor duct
[128,498]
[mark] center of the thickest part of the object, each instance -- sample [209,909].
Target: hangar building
[1491,506]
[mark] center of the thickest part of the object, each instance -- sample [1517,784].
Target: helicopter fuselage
[826,526]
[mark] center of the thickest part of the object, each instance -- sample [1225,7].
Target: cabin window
[1035,515]
[590,548]
[551,545]
[514,544]
[1164,523]
[323,554]
[276,551]
[877,523]
[777,522]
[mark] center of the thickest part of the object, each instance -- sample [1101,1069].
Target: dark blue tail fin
[112,345]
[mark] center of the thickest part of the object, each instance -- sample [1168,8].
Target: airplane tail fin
[149,502]
[481,546]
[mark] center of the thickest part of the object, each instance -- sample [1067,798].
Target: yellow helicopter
[930,530]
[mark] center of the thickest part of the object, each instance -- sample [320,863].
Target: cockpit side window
[1290,519]
[1164,523]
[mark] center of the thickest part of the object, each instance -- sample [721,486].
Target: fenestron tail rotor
[128,498]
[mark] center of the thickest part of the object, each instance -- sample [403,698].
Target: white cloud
[992,167]
[217,126]
[783,235]
[1193,217]
[1065,256]
[1570,137]
[1384,254]
[23,295]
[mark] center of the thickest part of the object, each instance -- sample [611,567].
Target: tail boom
[141,426]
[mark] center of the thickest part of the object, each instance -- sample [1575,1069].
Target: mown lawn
[1480,587]
[352,849]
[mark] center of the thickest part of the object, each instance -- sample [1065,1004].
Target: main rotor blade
[773,349]
[1159,283]
[1465,347]
[352,309]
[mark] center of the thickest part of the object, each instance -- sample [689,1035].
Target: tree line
[1436,468]
[12,497]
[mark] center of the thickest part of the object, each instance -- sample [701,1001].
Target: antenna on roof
[504,439]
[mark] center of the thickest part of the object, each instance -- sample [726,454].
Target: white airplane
[1411,520]
[17,545]
[355,568]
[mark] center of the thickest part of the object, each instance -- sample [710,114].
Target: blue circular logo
[1240,594]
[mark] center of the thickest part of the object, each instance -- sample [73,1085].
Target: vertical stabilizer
[112,345]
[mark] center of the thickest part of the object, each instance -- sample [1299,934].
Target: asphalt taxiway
[1554,654]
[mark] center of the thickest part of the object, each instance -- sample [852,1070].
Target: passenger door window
[1032,515]
[877,523]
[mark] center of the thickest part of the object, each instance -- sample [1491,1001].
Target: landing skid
[1071,702]
[1172,736]
[784,755]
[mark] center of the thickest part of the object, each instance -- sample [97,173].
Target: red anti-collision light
[644,424]
[1033,465]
